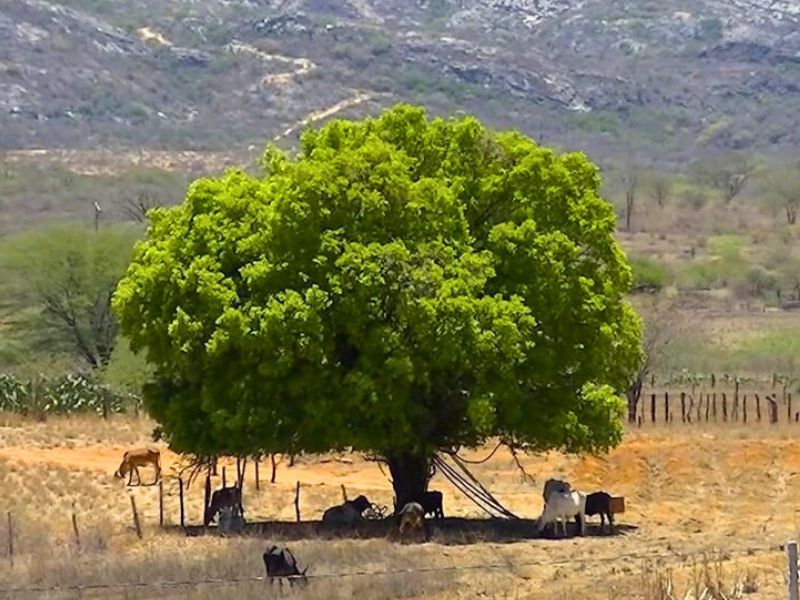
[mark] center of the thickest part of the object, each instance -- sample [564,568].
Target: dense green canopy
[401,285]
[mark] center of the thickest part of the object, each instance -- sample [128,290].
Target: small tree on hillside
[780,188]
[629,179]
[402,286]
[727,173]
[660,188]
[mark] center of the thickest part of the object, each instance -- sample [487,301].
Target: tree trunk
[410,475]
[634,394]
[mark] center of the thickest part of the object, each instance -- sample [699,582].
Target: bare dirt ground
[703,504]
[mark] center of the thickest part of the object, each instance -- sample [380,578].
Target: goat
[348,513]
[599,503]
[561,506]
[412,520]
[230,520]
[281,564]
[555,485]
[139,457]
[223,498]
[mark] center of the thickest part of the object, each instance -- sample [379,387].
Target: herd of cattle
[561,503]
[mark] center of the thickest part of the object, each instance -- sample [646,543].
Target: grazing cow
[599,503]
[348,513]
[561,506]
[224,498]
[412,521]
[281,564]
[139,457]
[555,485]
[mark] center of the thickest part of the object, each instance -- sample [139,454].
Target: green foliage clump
[402,285]
[67,394]
[648,275]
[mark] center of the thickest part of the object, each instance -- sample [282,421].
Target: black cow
[224,498]
[280,564]
[432,503]
[599,503]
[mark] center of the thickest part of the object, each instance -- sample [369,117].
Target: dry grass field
[706,507]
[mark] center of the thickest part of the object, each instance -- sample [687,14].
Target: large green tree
[400,286]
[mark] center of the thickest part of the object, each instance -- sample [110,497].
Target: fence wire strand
[716,554]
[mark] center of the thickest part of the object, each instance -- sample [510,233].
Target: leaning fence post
[652,408]
[297,501]
[180,496]
[791,554]
[75,529]
[344,494]
[136,524]
[724,407]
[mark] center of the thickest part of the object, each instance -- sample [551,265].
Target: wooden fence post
[736,400]
[714,405]
[744,409]
[297,502]
[10,539]
[258,481]
[136,524]
[160,503]
[206,499]
[274,465]
[652,408]
[773,408]
[683,407]
[789,406]
[699,407]
[791,555]
[180,495]
[724,407]
[75,529]
[666,406]
[758,408]
[223,477]
[344,493]
[708,406]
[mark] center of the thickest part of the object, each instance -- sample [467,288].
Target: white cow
[555,485]
[562,506]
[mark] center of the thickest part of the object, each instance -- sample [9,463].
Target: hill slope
[660,76]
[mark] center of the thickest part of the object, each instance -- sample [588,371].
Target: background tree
[660,187]
[59,283]
[728,173]
[629,178]
[663,322]
[401,286]
[779,186]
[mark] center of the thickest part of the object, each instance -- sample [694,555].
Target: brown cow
[139,457]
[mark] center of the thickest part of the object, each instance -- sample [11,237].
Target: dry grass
[689,491]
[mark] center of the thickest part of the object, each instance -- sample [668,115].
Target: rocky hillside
[664,77]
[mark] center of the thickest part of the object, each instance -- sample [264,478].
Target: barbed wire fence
[651,561]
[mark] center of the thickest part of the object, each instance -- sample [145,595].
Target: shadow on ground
[449,531]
